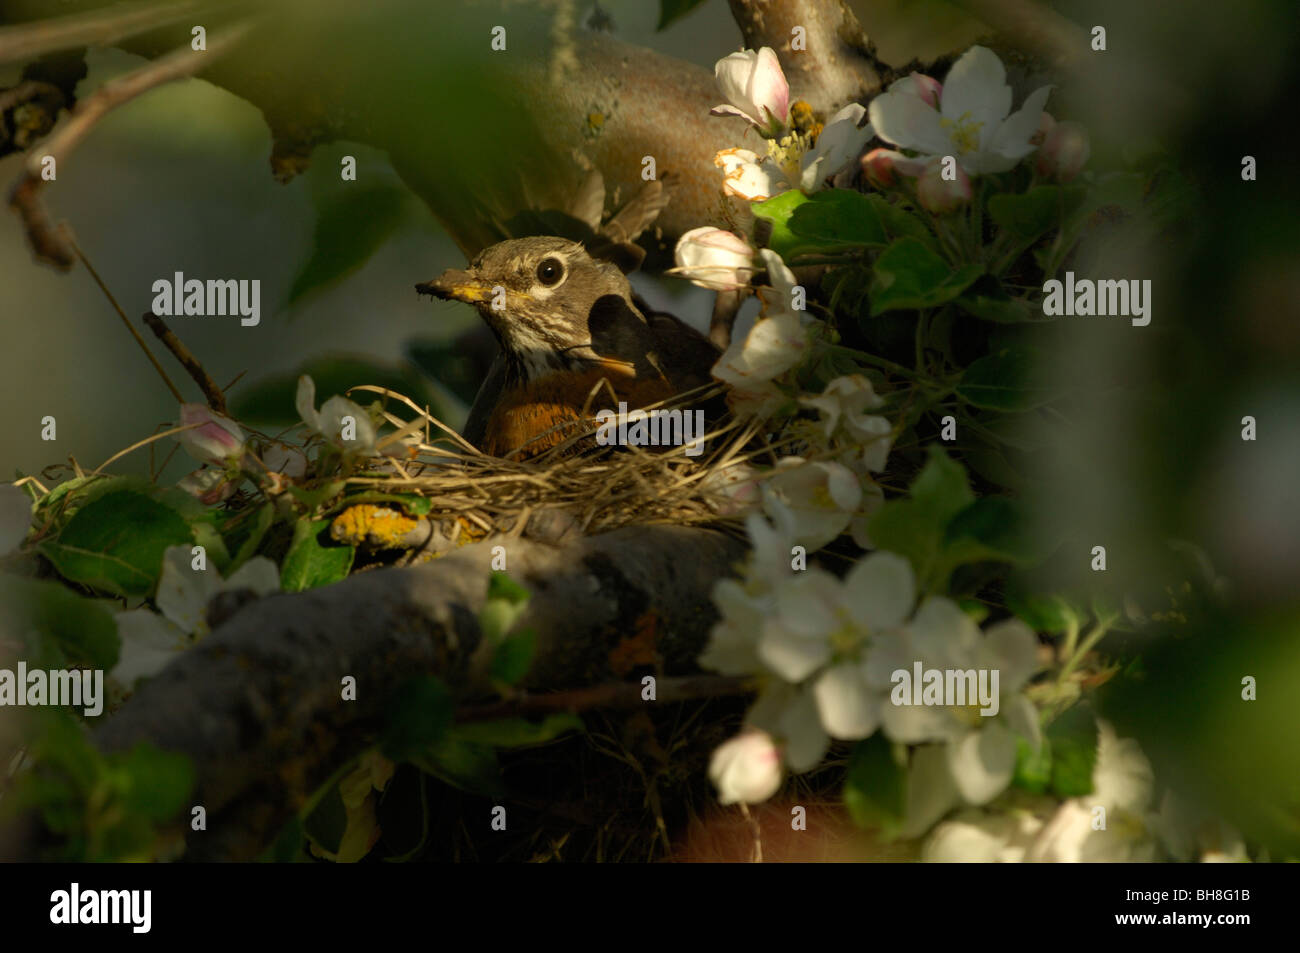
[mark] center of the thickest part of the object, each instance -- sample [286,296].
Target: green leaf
[875,790]
[517,732]
[993,527]
[464,765]
[672,10]
[116,543]
[987,300]
[908,275]
[1073,737]
[1042,612]
[255,531]
[1033,769]
[418,718]
[900,223]
[837,218]
[1010,379]
[287,848]
[514,656]
[506,602]
[207,536]
[351,225]
[1043,207]
[914,527]
[156,784]
[71,630]
[312,498]
[778,210]
[309,564]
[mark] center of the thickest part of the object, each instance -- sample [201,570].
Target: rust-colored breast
[523,415]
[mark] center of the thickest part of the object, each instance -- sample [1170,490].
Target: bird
[574,339]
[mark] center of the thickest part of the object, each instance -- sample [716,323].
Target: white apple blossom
[286,460]
[927,88]
[822,630]
[1123,786]
[755,88]
[151,640]
[842,405]
[980,748]
[821,495]
[733,646]
[329,420]
[776,342]
[973,121]
[714,258]
[746,769]
[979,837]
[793,161]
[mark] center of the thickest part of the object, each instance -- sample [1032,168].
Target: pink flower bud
[756,89]
[926,88]
[747,768]
[212,437]
[939,195]
[1064,152]
[1045,125]
[714,258]
[882,167]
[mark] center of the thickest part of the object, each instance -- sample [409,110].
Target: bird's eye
[550,271]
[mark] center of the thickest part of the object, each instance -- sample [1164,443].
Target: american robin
[572,336]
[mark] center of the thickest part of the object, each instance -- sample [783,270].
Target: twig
[611,695]
[216,399]
[30,89]
[129,326]
[53,244]
[140,443]
[102,27]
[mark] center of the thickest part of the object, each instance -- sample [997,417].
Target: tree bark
[257,704]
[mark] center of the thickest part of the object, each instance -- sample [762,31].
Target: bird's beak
[456,285]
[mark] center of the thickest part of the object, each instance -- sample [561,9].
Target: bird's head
[542,297]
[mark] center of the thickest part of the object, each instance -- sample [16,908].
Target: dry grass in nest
[597,491]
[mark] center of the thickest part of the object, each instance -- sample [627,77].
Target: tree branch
[257,704]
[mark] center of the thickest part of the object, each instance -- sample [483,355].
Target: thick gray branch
[257,705]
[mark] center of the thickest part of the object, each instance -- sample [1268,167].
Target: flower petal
[806,743]
[1011,139]
[977,86]
[880,590]
[183,592]
[848,710]
[791,655]
[149,643]
[907,122]
[983,762]
[1012,647]
[943,634]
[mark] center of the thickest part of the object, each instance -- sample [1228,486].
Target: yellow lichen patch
[470,532]
[380,526]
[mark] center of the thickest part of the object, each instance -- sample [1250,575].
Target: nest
[566,489]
